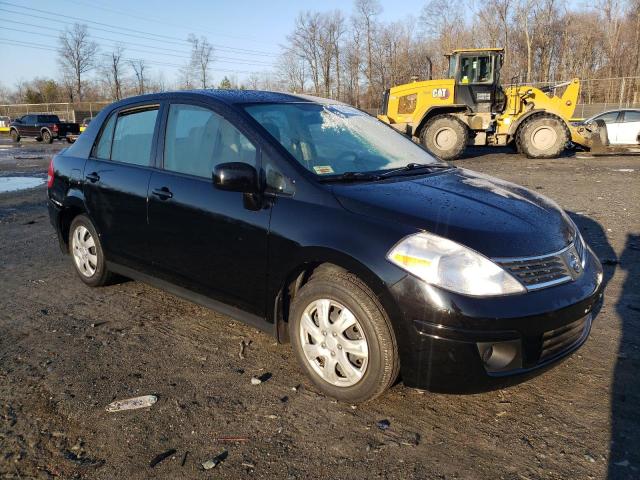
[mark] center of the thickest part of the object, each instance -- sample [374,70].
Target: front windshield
[335,139]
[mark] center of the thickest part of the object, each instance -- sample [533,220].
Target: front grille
[540,272]
[546,270]
[554,342]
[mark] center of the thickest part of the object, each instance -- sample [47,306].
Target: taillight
[50,174]
[55,127]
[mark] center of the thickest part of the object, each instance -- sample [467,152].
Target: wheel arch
[321,260]
[435,111]
[73,206]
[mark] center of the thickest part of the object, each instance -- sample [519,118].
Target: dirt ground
[67,351]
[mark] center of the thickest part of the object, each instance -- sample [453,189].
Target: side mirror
[235,177]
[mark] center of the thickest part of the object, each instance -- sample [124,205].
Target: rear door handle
[163,193]
[93,177]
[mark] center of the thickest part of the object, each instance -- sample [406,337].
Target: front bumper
[447,340]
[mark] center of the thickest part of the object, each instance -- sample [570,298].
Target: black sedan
[316,222]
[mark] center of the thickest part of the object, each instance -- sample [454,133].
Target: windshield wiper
[415,166]
[351,177]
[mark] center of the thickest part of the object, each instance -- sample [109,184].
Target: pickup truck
[43,127]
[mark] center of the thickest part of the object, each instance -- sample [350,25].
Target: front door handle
[163,193]
[93,177]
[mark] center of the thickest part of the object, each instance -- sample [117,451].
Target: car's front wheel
[86,251]
[343,338]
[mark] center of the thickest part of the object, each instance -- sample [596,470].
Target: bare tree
[305,43]
[139,69]
[292,71]
[366,13]
[77,54]
[113,72]
[201,58]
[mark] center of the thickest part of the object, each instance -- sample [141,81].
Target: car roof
[234,97]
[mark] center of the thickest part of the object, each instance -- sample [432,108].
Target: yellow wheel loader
[471,108]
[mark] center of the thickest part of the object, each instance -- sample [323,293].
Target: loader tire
[542,136]
[445,136]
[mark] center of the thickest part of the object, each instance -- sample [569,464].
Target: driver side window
[197,139]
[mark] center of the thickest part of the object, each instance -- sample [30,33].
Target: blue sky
[247,33]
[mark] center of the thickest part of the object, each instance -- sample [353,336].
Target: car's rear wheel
[15,137]
[47,137]
[343,338]
[86,251]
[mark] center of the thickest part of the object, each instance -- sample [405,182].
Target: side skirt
[237,314]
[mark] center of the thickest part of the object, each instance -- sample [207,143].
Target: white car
[623,126]
[4,121]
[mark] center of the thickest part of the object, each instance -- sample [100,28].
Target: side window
[631,116]
[608,118]
[197,139]
[133,136]
[103,147]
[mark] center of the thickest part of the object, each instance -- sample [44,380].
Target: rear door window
[198,139]
[631,116]
[133,136]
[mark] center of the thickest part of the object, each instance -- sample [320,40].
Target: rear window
[48,119]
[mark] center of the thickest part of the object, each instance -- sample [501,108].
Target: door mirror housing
[236,177]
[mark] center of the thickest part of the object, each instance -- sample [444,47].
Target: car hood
[491,216]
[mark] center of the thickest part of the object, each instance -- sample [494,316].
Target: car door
[208,240]
[629,131]
[613,120]
[116,181]
[28,127]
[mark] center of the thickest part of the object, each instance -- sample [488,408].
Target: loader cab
[477,76]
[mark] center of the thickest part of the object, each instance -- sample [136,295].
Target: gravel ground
[66,351]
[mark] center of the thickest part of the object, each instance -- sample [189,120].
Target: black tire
[542,136]
[101,276]
[383,362]
[453,144]
[15,136]
[38,139]
[47,137]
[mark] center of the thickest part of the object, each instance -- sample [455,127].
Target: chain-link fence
[68,112]
[596,95]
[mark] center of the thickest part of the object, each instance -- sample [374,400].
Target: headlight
[449,265]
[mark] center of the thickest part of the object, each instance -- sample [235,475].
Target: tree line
[355,57]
